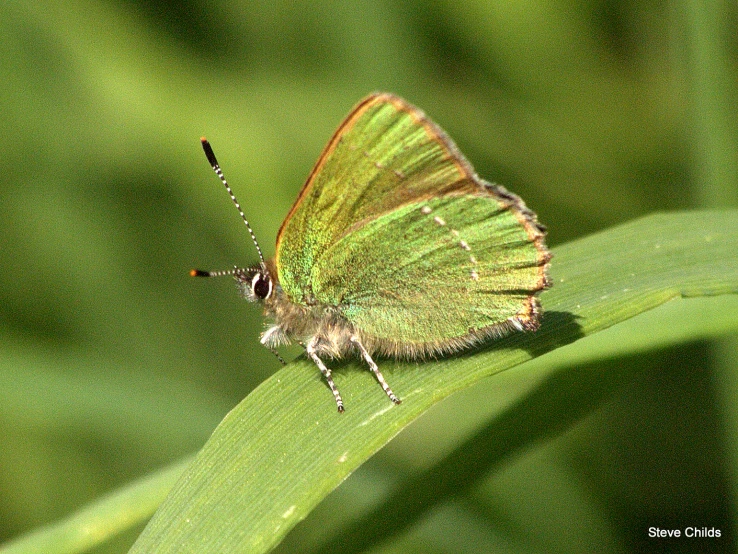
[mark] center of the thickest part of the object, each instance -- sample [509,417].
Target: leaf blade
[283,449]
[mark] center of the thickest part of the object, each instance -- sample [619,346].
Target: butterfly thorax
[293,321]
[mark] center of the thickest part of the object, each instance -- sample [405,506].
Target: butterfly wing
[385,154]
[395,230]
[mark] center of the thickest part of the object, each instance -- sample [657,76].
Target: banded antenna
[231,272]
[219,172]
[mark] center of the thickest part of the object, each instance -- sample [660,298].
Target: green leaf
[284,448]
[561,389]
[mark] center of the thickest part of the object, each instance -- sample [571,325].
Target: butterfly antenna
[201,273]
[219,172]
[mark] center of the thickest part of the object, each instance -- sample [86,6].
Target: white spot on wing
[462,243]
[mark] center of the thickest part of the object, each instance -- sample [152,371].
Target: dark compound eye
[262,286]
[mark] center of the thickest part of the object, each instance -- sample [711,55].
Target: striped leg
[310,349]
[375,369]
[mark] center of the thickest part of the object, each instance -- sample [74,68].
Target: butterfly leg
[375,370]
[311,351]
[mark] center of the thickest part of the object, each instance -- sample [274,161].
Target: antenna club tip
[209,152]
[198,273]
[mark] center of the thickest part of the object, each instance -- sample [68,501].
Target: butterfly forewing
[386,153]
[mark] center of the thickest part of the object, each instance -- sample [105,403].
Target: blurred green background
[113,362]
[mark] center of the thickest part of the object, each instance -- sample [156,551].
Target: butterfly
[395,247]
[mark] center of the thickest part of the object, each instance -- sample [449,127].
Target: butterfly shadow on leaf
[557,329]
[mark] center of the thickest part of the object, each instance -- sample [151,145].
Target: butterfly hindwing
[458,264]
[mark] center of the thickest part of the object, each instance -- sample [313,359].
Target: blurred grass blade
[102,519]
[284,448]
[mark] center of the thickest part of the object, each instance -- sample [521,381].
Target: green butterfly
[396,247]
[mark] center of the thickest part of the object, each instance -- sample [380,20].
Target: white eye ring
[255,280]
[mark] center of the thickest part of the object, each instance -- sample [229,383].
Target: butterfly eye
[261,285]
